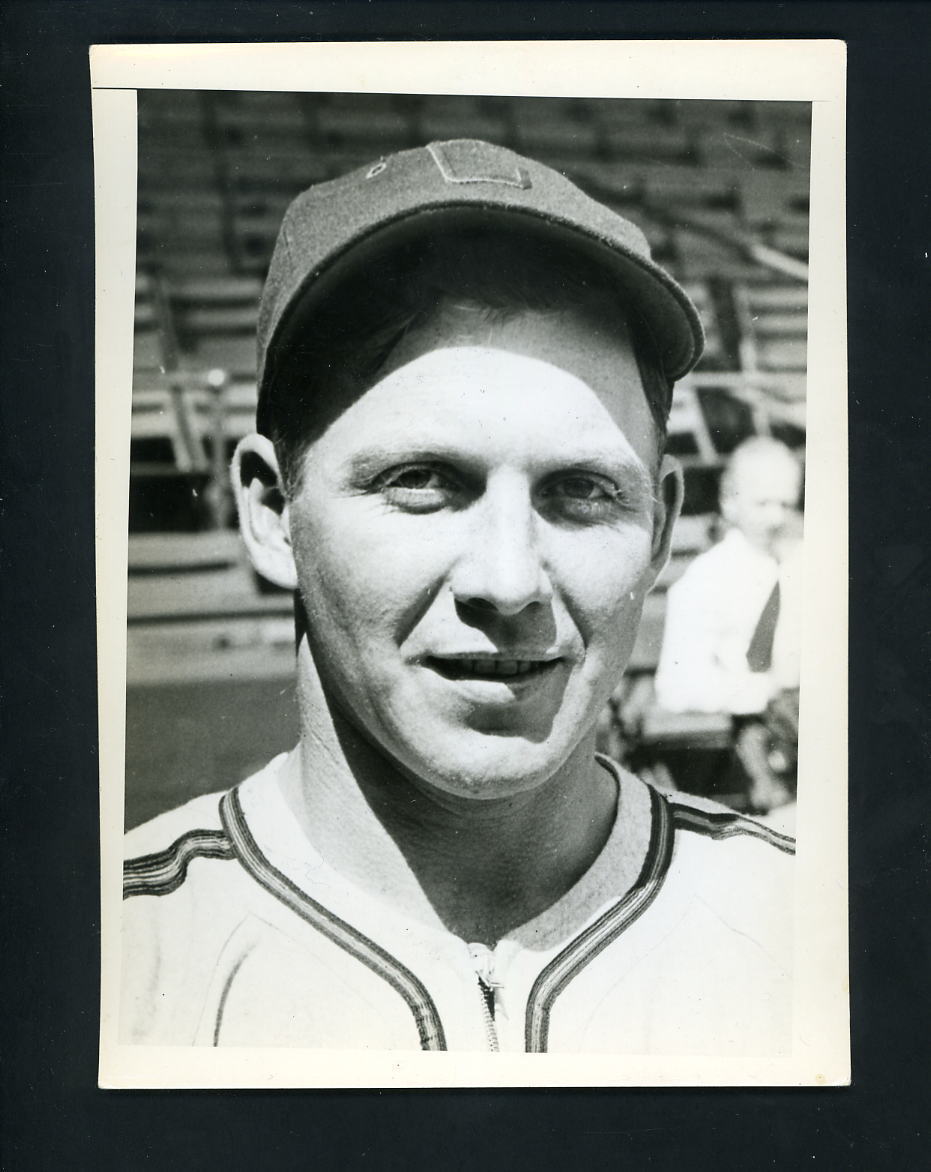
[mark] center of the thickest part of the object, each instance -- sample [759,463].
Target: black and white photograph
[468,585]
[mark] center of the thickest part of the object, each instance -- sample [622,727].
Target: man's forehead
[766,471]
[519,389]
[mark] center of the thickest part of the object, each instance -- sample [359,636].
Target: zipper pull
[483,961]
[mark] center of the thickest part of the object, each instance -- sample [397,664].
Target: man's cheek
[611,598]
[356,605]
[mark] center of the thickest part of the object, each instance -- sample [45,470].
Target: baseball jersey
[677,940]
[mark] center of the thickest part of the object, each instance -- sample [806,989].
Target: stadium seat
[174,168]
[714,355]
[216,323]
[551,129]
[609,112]
[688,436]
[150,352]
[701,256]
[691,188]
[221,414]
[697,112]
[732,150]
[181,575]
[653,143]
[195,217]
[773,320]
[221,305]
[790,235]
[795,147]
[194,599]
[381,129]
[161,431]
[361,105]
[438,125]
[273,178]
[147,349]
[252,237]
[233,353]
[767,196]
[752,402]
[281,114]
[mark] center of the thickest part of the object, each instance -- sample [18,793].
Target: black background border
[52,1113]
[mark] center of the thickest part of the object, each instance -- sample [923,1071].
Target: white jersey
[676,941]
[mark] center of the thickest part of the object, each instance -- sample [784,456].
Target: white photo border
[784,70]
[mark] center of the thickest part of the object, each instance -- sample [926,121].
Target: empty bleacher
[719,188]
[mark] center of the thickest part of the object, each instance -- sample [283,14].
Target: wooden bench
[196,610]
[773,321]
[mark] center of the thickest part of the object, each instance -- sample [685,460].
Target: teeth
[488,667]
[499,667]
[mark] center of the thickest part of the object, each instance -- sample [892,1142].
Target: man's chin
[488,767]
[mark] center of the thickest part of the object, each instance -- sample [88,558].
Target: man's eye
[582,496]
[413,478]
[416,487]
[584,488]
[585,498]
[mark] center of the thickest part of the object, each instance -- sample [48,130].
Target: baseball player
[465,368]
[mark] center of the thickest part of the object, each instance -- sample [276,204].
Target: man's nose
[501,568]
[777,513]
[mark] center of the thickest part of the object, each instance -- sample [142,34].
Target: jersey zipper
[487,995]
[483,963]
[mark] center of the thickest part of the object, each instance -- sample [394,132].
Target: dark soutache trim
[418,1000]
[725,824]
[604,931]
[165,871]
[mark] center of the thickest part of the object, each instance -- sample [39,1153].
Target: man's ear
[667,505]
[263,510]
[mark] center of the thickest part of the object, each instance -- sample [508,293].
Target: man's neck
[481,868]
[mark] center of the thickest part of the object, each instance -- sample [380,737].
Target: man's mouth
[489,667]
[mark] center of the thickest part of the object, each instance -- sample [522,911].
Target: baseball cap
[336,225]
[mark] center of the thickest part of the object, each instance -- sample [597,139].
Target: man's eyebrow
[376,456]
[625,467]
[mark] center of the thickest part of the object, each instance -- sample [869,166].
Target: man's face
[761,500]
[474,536]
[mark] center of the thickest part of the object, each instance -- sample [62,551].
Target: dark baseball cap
[335,226]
